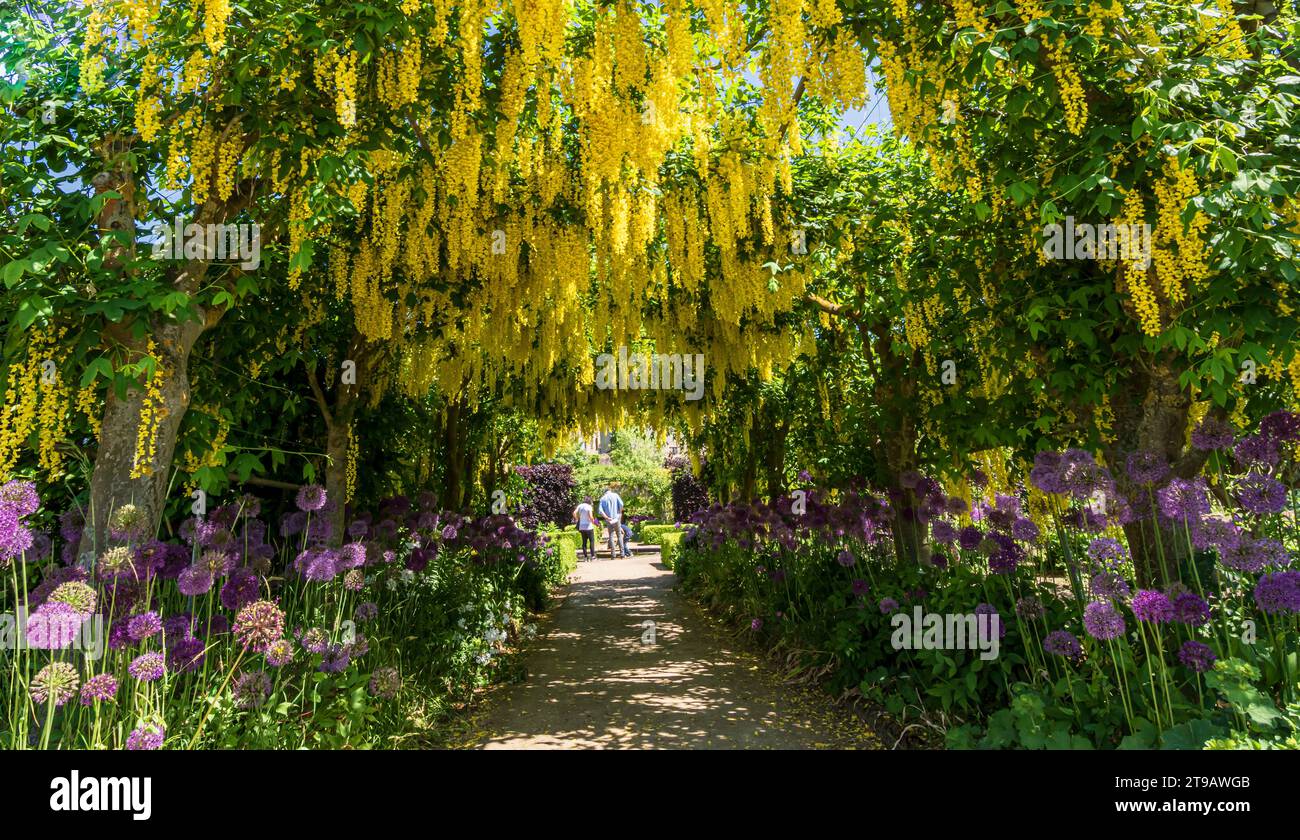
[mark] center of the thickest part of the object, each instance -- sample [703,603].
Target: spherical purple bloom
[1103,621]
[177,626]
[21,496]
[15,538]
[860,587]
[1184,499]
[352,556]
[1063,643]
[147,667]
[1030,608]
[1212,434]
[1261,494]
[336,659]
[241,590]
[314,640]
[185,654]
[1146,467]
[1152,606]
[142,626]
[279,653]
[1281,426]
[311,498]
[970,538]
[1278,592]
[887,606]
[1197,656]
[943,532]
[366,611]
[1025,530]
[317,564]
[1258,450]
[1191,609]
[146,736]
[251,689]
[846,558]
[195,580]
[1217,533]
[259,625]
[385,682]
[1107,552]
[756,625]
[57,681]
[53,626]
[101,687]
[1251,555]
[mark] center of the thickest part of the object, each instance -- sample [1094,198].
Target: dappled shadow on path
[593,682]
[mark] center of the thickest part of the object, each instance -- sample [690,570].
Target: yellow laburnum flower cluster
[1179,250]
[399,74]
[216,13]
[354,454]
[148,108]
[202,155]
[22,396]
[152,409]
[345,89]
[1133,268]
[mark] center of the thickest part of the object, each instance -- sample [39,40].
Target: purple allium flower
[366,611]
[1152,606]
[1214,532]
[449,533]
[354,580]
[314,640]
[77,594]
[846,558]
[279,653]
[1278,592]
[357,528]
[970,538]
[311,498]
[1257,450]
[317,564]
[142,626]
[756,625]
[147,667]
[887,606]
[101,687]
[259,625]
[1261,494]
[195,580]
[21,496]
[241,590]
[251,689]
[53,626]
[385,682]
[1184,499]
[1191,609]
[978,478]
[128,522]
[217,625]
[1025,530]
[1107,552]
[336,659]
[177,626]
[1063,643]
[860,587]
[1281,426]
[1251,555]
[1146,467]
[57,681]
[185,654]
[1103,621]
[116,562]
[1030,608]
[146,736]
[955,505]
[943,532]
[1212,434]
[352,556]
[15,538]
[992,612]
[1197,656]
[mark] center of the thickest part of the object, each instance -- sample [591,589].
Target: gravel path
[593,683]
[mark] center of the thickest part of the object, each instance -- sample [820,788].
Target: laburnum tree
[464,171]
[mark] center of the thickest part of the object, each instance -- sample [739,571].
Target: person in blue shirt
[611,513]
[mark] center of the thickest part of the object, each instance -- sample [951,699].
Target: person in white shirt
[585,517]
[611,513]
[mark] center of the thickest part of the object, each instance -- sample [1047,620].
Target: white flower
[483,658]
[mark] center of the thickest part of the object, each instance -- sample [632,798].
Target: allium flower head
[101,687]
[992,612]
[117,562]
[250,689]
[241,590]
[1107,552]
[127,522]
[943,532]
[1146,467]
[259,625]
[1030,608]
[195,580]
[846,558]
[1184,499]
[311,498]
[57,681]
[354,580]
[756,625]
[1212,434]
[1103,621]
[146,736]
[217,562]
[1063,643]
[385,682]
[366,611]
[1261,494]
[279,653]
[1278,592]
[20,496]
[314,640]
[142,626]
[147,667]
[1257,450]
[1152,606]
[77,594]
[860,587]
[887,606]
[1281,426]
[1252,555]
[1191,609]
[186,654]
[53,626]
[1197,656]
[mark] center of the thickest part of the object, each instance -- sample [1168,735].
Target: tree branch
[320,396]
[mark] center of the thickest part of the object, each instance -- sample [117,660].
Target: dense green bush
[669,547]
[653,534]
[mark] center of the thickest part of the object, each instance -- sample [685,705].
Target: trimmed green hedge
[567,544]
[639,530]
[668,545]
[653,534]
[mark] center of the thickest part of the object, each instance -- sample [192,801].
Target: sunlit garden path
[592,682]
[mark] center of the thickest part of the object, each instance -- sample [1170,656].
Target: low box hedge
[668,545]
[567,543]
[653,534]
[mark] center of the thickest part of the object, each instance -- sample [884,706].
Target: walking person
[611,514]
[585,517]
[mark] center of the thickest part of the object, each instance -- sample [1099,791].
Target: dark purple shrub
[550,495]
